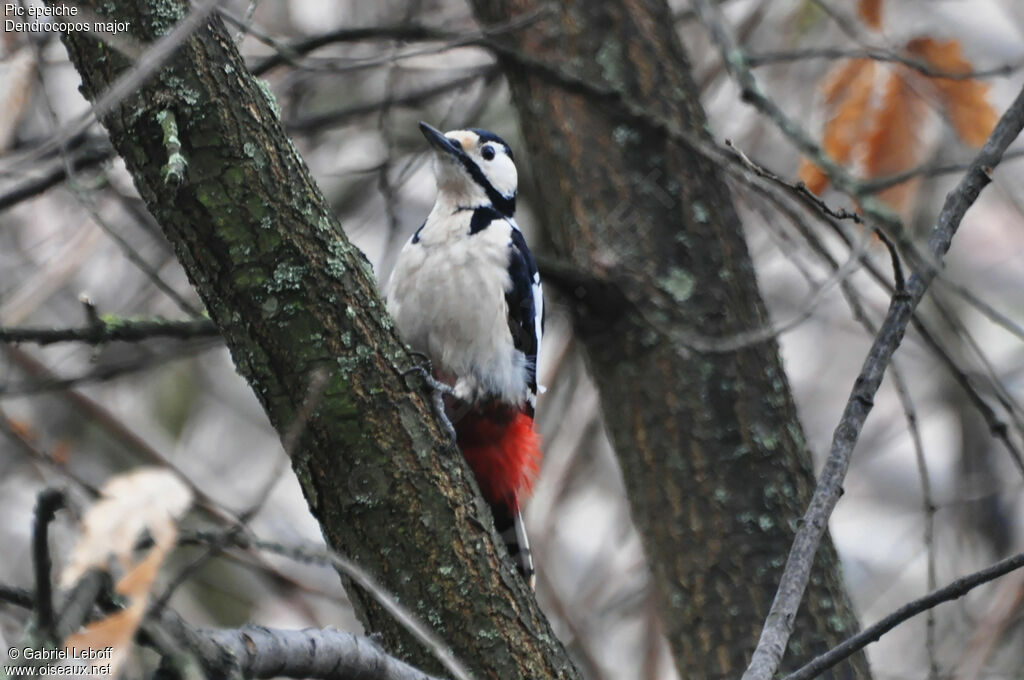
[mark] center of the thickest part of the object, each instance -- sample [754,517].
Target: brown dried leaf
[21,429]
[61,452]
[139,580]
[965,101]
[116,631]
[871,12]
[812,176]
[848,96]
[892,144]
[145,498]
[851,117]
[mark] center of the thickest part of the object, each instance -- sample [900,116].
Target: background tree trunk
[292,297]
[649,241]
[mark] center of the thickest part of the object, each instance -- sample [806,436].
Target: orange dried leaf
[116,631]
[892,143]
[850,118]
[139,579]
[145,498]
[848,93]
[21,429]
[871,12]
[965,101]
[61,453]
[812,176]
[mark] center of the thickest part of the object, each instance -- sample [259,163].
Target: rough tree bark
[649,241]
[292,297]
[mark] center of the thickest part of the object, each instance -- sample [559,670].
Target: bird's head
[474,168]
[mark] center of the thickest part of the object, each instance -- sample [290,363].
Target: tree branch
[90,155]
[779,623]
[47,505]
[953,591]
[258,652]
[875,54]
[112,329]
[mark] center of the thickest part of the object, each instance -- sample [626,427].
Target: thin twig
[50,382]
[954,590]
[17,596]
[318,122]
[405,32]
[876,54]
[831,218]
[928,506]
[111,329]
[779,623]
[873,186]
[48,503]
[90,155]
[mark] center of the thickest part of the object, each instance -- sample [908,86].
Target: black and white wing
[525,301]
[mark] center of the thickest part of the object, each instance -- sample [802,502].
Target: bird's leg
[438,391]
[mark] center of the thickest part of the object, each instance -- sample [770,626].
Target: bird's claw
[438,391]
[437,398]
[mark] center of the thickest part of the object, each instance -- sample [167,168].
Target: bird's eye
[488,153]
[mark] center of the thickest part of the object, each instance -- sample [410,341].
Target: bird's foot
[438,391]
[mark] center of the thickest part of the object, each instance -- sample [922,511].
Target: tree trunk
[293,299]
[651,250]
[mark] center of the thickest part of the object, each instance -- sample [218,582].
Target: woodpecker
[465,292]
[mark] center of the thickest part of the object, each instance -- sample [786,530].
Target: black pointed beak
[439,141]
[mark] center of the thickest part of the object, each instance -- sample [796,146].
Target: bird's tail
[513,534]
[503,450]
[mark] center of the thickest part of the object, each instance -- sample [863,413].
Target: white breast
[447,295]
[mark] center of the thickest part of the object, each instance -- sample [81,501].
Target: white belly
[449,303]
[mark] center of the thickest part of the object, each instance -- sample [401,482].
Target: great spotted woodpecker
[465,291]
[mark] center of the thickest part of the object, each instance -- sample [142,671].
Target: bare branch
[112,329]
[830,216]
[779,623]
[954,590]
[16,596]
[876,54]
[406,31]
[47,505]
[91,154]
[258,652]
[873,186]
[335,118]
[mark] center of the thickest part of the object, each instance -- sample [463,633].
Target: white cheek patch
[502,174]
